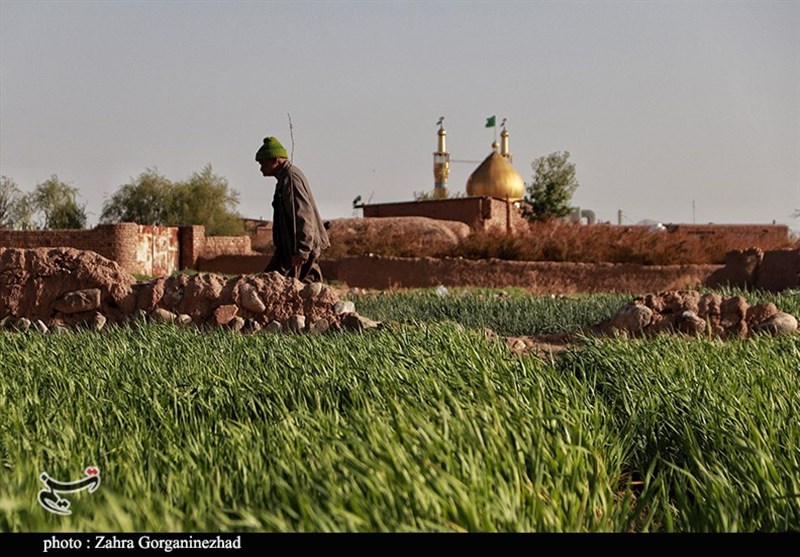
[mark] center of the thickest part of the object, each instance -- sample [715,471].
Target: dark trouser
[307,272]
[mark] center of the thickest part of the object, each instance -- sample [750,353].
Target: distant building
[494,190]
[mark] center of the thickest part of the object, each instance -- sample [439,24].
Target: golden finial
[504,135]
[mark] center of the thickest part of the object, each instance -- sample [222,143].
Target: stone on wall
[250,300]
[163,316]
[78,301]
[296,323]
[632,318]
[224,314]
[356,322]
[780,323]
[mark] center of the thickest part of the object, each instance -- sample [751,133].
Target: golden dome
[495,177]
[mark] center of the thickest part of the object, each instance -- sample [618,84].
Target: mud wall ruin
[480,213]
[159,251]
[118,242]
[772,270]
[541,277]
[757,234]
[51,289]
[139,249]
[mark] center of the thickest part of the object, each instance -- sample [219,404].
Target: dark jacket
[297,228]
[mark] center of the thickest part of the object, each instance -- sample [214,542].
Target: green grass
[513,312]
[423,427]
[716,421]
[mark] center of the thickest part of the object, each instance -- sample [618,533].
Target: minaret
[441,164]
[504,135]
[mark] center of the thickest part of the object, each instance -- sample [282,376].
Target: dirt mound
[393,235]
[33,282]
[50,287]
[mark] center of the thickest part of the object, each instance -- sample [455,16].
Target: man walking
[297,229]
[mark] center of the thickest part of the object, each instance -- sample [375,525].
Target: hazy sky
[661,104]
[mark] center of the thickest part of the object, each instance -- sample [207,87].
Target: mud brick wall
[260,232]
[501,215]
[478,212]
[763,235]
[772,270]
[126,243]
[261,238]
[138,249]
[740,270]
[226,245]
[233,264]
[778,270]
[113,241]
[539,277]
[192,240]
[256,263]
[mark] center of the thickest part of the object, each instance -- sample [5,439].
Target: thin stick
[291,134]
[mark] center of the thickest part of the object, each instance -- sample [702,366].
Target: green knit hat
[271,149]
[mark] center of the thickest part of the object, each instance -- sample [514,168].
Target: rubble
[52,289]
[691,313]
[687,313]
[57,288]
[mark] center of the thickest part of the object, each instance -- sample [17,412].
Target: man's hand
[299,260]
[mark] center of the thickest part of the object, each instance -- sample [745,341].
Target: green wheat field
[423,425]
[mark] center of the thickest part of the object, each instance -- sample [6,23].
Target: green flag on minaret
[490,122]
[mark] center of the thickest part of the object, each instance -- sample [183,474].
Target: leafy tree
[554,182]
[204,198]
[9,198]
[23,215]
[144,200]
[58,205]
